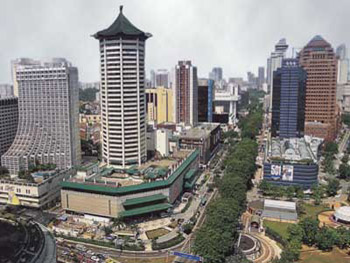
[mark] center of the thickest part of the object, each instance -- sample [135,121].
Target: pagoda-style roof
[122,27]
[318,41]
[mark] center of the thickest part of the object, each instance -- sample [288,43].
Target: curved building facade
[122,69]
[48,116]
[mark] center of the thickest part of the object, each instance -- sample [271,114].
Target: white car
[96,259]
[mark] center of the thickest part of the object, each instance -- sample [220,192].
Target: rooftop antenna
[121,9]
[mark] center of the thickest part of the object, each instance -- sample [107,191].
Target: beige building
[159,105]
[89,118]
[151,188]
[42,192]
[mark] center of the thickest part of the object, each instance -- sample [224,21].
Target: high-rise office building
[153,78]
[8,122]
[48,117]
[275,62]
[159,105]
[261,76]
[186,93]
[20,61]
[162,78]
[216,74]
[251,78]
[288,102]
[122,52]
[205,100]
[320,62]
[6,90]
[343,64]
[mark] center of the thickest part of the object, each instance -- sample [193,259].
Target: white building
[343,64]
[122,66]
[162,142]
[227,98]
[6,90]
[48,116]
[275,62]
[343,97]
[42,192]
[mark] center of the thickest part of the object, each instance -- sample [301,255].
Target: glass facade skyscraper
[288,100]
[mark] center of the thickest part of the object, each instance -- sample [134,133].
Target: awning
[190,174]
[189,185]
[146,210]
[144,199]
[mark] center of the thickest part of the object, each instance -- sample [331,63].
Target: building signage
[276,172]
[287,173]
[284,173]
[187,256]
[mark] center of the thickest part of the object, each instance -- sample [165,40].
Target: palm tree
[118,222]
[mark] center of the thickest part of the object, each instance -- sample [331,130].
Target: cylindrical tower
[123,109]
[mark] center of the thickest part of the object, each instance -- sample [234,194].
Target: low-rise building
[280,210]
[205,137]
[138,191]
[292,161]
[41,191]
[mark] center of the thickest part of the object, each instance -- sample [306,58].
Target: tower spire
[121,9]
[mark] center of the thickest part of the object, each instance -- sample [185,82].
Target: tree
[265,186]
[213,244]
[290,192]
[301,207]
[326,238]
[345,159]
[3,170]
[345,118]
[187,228]
[332,187]
[239,257]
[310,228]
[331,148]
[295,232]
[118,222]
[343,240]
[317,193]
[88,94]
[344,171]
[107,230]
[328,164]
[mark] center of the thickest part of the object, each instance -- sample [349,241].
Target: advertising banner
[287,173]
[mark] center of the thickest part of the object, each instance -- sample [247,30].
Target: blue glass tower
[288,100]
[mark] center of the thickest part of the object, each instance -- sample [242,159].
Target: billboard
[287,173]
[275,172]
[284,173]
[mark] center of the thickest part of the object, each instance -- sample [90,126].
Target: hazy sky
[237,35]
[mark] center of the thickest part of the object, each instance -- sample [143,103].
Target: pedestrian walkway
[167,237]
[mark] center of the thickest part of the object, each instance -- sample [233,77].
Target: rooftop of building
[152,174]
[26,63]
[122,27]
[34,176]
[202,130]
[294,149]
[318,42]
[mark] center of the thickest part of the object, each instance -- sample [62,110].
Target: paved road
[345,139]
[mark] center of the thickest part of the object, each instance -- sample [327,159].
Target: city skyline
[234,34]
